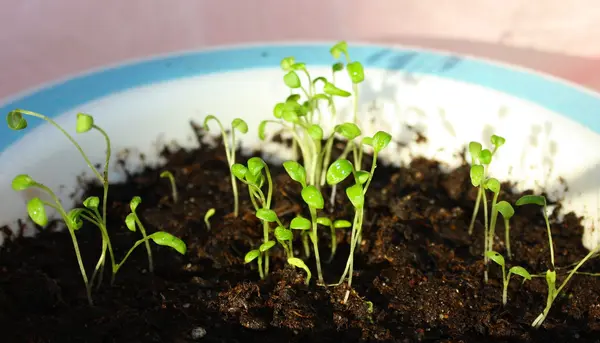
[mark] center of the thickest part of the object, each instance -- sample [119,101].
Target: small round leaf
[267,215]
[85,122]
[22,182]
[266,246]
[324,221]
[381,139]
[300,223]
[485,156]
[531,199]
[278,111]
[339,66]
[298,66]
[283,234]
[239,170]
[355,195]
[341,224]
[130,222]
[497,141]
[135,202]
[362,176]
[74,216]
[331,89]
[166,239]
[251,255]
[496,257]
[348,130]
[292,80]
[313,197]
[255,165]
[315,132]
[338,49]
[240,125]
[356,72]
[505,209]
[474,150]
[476,174]
[493,185]
[209,118]
[296,171]
[91,202]
[287,62]
[522,272]
[338,171]
[37,211]
[15,120]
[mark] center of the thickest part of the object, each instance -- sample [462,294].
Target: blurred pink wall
[43,40]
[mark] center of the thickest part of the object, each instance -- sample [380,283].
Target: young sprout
[338,224]
[313,198]
[492,185]
[285,237]
[207,216]
[304,225]
[477,175]
[507,211]
[168,175]
[474,149]
[241,126]
[355,71]
[298,263]
[131,220]
[36,209]
[540,201]
[496,257]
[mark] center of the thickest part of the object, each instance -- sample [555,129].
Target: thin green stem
[475,210]
[549,237]
[507,236]
[105,174]
[147,242]
[485,234]
[315,241]
[236,200]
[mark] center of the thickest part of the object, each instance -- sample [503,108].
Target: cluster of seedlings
[301,115]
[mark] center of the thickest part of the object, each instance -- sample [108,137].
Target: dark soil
[417,266]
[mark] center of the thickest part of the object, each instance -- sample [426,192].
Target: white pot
[551,127]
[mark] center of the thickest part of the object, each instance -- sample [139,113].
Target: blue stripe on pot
[575,103]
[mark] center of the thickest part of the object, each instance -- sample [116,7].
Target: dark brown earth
[417,266]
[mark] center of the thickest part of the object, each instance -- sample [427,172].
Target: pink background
[43,40]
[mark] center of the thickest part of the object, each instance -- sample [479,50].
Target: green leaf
[505,209]
[341,224]
[367,141]
[339,66]
[283,234]
[290,116]
[84,123]
[267,215]
[381,139]
[476,174]
[166,239]
[292,80]
[331,89]
[296,172]
[74,216]
[313,197]
[209,118]
[338,49]
[355,195]
[298,263]
[531,200]
[496,257]
[255,179]
[298,66]
[166,175]
[356,72]
[324,221]
[485,156]
[315,132]
[517,270]
[362,176]
[240,125]
[287,62]
[266,246]
[255,165]
[300,223]
[135,202]
[37,211]
[323,97]
[292,100]
[130,222]
[251,255]
[338,171]
[15,120]
[348,130]
[239,170]
[493,185]
[497,141]
[91,202]
[22,182]
[474,150]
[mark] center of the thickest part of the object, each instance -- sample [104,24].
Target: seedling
[168,175]
[298,263]
[37,212]
[304,225]
[285,237]
[131,220]
[207,216]
[241,126]
[540,201]
[499,259]
[338,224]
[507,211]
[338,172]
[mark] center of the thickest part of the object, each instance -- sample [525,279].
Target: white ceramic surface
[551,127]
